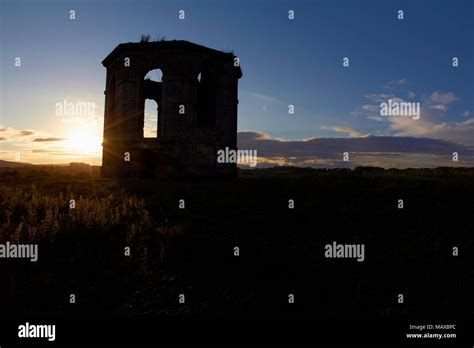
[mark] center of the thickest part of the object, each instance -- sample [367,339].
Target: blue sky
[284,61]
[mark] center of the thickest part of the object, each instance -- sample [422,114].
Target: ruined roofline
[161,45]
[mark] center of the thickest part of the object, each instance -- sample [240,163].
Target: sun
[83,141]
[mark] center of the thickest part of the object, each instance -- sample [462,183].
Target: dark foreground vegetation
[191,251]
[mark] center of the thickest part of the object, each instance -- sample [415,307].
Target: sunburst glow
[83,141]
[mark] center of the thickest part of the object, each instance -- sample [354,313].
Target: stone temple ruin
[197,110]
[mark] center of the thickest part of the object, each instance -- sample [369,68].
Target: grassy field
[191,251]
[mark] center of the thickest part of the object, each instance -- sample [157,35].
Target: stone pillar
[128,104]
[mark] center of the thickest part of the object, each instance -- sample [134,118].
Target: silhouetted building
[197,110]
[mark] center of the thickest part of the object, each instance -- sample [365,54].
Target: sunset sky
[299,62]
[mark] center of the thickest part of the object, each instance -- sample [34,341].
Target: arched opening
[152,91]
[154,75]
[150,124]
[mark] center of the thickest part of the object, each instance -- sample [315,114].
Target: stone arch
[154,74]
[152,96]
[150,123]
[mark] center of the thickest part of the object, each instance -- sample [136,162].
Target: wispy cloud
[16,134]
[395,83]
[380,97]
[456,132]
[46,140]
[36,146]
[432,123]
[440,101]
[25,133]
[345,130]
[443,98]
[265,98]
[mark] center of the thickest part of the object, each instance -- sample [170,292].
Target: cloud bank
[383,151]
